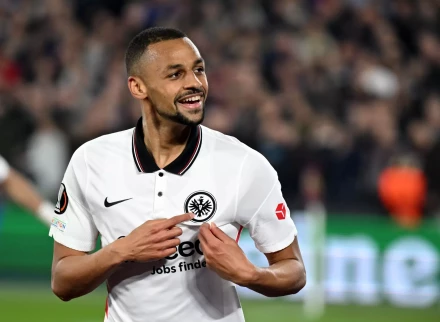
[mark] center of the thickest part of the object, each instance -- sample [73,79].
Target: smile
[191,102]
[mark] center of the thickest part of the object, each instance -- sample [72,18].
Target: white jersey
[4,169]
[112,185]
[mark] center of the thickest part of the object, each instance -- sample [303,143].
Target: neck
[164,139]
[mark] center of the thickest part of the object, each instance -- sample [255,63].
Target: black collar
[145,162]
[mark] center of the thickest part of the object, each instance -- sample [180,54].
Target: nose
[192,81]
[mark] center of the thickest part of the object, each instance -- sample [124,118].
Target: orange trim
[65,203]
[238,234]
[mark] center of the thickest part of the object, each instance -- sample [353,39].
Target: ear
[137,87]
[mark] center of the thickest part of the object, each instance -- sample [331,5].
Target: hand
[154,239]
[224,256]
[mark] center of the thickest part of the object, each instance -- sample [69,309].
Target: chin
[193,117]
[195,121]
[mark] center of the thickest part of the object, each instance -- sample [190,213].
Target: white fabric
[4,169]
[246,191]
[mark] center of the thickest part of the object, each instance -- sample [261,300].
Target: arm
[262,209]
[75,273]
[285,275]
[21,191]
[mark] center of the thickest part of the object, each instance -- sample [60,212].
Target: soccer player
[21,191]
[132,187]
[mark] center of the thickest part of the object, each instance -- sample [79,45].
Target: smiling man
[169,199]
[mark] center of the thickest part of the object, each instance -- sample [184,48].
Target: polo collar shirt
[113,185]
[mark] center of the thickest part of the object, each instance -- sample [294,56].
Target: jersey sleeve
[72,224]
[261,207]
[4,170]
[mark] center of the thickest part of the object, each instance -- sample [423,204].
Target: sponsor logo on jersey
[58,224]
[187,257]
[187,249]
[108,204]
[280,211]
[63,200]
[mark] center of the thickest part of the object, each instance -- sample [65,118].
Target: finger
[170,243]
[207,234]
[167,252]
[153,222]
[169,234]
[156,221]
[173,221]
[161,220]
[217,232]
[204,245]
[202,237]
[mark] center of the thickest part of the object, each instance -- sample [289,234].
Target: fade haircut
[139,44]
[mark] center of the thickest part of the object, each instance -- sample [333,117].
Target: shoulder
[218,140]
[219,143]
[107,142]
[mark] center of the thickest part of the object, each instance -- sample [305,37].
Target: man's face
[174,74]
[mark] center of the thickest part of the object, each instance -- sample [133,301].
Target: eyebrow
[199,61]
[177,66]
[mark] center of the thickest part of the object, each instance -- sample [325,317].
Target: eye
[175,75]
[200,70]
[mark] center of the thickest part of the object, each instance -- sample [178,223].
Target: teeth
[192,99]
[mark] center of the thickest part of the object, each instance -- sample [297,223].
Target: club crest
[202,204]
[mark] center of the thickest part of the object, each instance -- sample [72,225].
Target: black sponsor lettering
[187,249]
[163,270]
[184,266]
[183,247]
[197,246]
[174,256]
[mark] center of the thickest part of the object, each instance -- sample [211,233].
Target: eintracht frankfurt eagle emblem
[202,204]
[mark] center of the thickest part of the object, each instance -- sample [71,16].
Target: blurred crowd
[339,88]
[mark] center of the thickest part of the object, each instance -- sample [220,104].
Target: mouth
[191,101]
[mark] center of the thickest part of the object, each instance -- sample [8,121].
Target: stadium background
[342,97]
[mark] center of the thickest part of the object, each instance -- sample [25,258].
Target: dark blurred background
[347,87]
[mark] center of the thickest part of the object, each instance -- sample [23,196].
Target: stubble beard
[180,118]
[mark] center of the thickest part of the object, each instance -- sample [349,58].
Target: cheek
[204,82]
[163,97]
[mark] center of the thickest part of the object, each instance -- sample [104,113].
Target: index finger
[173,221]
[206,234]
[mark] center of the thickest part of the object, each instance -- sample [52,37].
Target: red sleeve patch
[280,211]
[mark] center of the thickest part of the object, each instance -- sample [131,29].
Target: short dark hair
[139,44]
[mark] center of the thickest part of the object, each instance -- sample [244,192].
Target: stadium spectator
[342,85]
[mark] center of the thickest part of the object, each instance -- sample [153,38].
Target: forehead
[170,52]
